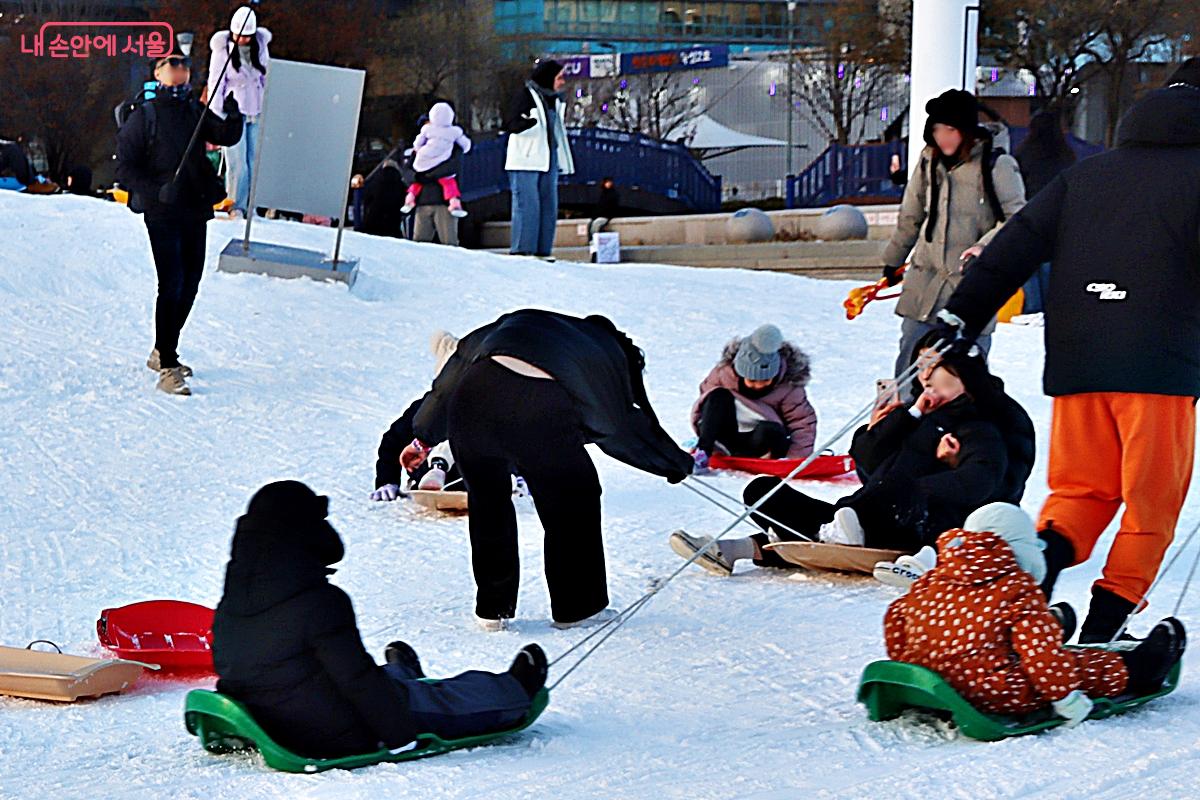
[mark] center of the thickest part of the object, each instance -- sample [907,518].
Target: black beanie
[291,511]
[545,71]
[1188,73]
[956,108]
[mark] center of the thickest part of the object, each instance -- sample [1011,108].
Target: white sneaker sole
[599,618]
[710,563]
[491,625]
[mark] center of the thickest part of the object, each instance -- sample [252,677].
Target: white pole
[945,50]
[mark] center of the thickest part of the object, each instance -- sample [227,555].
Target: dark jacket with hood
[148,154]
[1122,230]
[285,642]
[598,367]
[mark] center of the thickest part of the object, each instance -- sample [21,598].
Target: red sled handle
[857,301]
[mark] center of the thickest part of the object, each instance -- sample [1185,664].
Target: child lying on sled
[980,621]
[286,644]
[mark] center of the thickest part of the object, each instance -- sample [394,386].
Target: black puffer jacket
[285,641]
[395,439]
[1123,232]
[148,155]
[591,360]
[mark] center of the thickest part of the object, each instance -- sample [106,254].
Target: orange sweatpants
[1112,447]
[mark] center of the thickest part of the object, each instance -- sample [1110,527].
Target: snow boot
[1060,554]
[599,618]
[845,529]
[1106,616]
[410,202]
[170,380]
[685,546]
[1066,619]
[154,362]
[902,572]
[402,654]
[530,668]
[1149,662]
[456,209]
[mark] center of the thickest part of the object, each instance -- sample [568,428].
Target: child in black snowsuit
[285,643]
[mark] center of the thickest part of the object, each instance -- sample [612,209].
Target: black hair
[1046,140]
[235,57]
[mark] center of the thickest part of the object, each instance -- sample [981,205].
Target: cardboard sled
[53,676]
[833,557]
[443,501]
[173,634]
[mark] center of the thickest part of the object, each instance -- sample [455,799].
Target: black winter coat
[590,359]
[286,644]
[397,437]
[145,163]
[1122,230]
[903,449]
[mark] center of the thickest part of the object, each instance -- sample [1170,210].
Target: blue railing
[630,159]
[864,170]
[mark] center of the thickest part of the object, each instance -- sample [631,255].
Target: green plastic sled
[224,725]
[889,687]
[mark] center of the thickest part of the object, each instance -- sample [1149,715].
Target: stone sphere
[841,223]
[749,225]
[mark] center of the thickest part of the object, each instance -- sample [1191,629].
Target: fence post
[789,191]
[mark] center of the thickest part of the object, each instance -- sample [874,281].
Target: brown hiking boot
[155,363]
[171,381]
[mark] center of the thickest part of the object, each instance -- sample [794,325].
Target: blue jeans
[239,165]
[1036,289]
[469,704]
[911,332]
[534,209]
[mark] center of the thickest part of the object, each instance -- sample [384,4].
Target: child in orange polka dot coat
[980,621]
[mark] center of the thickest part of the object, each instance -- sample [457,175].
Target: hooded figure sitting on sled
[925,466]
[980,621]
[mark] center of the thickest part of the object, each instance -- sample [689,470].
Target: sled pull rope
[1162,573]
[740,503]
[611,627]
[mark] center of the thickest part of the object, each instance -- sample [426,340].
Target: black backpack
[125,109]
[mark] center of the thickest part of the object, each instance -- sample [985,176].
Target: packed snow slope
[721,688]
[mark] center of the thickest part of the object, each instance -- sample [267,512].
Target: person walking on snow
[150,145]
[538,152]
[524,394]
[959,195]
[244,48]
[753,401]
[979,620]
[1122,232]
[433,146]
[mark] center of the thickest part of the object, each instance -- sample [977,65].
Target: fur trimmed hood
[796,367]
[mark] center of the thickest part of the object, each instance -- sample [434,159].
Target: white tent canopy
[711,135]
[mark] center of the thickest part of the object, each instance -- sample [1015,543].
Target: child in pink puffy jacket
[433,146]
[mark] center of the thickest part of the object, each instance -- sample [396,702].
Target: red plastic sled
[822,466]
[173,634]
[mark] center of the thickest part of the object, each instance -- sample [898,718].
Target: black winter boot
[402,654]
[1150,661]
[1060,554]
[530,668]
[1106,615]
[1066,618]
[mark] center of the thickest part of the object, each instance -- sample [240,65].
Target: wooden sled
[40,675]
[173,634]
[224,725]
[887,688]
[445,502]
[832,557]
[822,467]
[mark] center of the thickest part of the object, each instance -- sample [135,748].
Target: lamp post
[791,101]
[185,40]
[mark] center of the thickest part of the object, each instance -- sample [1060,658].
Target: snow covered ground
[743,687]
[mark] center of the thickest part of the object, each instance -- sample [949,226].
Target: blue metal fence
[631,159]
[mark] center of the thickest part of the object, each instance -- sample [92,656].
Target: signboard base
[280,261]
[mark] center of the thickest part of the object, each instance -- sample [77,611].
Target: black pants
[718,423]
[178,248]
[894,515]
[500,421]
[469,704]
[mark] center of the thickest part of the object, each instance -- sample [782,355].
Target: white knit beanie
[244,22]
[1014,526]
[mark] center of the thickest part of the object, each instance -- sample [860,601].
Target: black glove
[952,334]
[892,275]
[230,107]
[168,195]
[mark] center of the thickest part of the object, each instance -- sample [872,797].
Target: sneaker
[490,624]
[1150,662]
[171,381]
[902,572]
[1066,618]
[154,362]
[456,209]
[410,202]
[685,546]
[599,618]
[530,668]
[402,654]
[844,529]
[433,481]
[547,259]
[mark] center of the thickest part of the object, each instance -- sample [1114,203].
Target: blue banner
[705,57]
